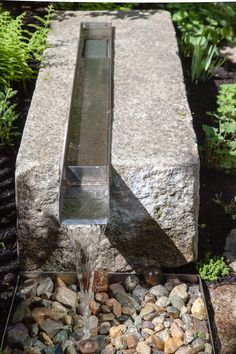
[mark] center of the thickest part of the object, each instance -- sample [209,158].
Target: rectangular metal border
[113,277]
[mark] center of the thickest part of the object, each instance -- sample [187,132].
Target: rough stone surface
[223,300]
[155,174]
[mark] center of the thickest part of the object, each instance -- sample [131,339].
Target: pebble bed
[125,318]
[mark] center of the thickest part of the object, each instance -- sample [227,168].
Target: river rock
[59,308]
[126,300]
[184,349]
[131,282]
[208,348]
[104,317]
[150,298]
[117,331]
[40,313]
[119,342]
[143,348]
[159,290]
[18,336]
[45,339]
[138,293]
[177,302]
[51,327]
[132,341]
[198,309]
[100,282]
[29,287]
[45,287]
[181,291]
[172,311]
[163,301]
[157,342]
[115,305]
[115,288]
[61,336]
[146,310]
[22,311]
[104,327]
[176,331]
[171,345]
[163,335]
[66,297]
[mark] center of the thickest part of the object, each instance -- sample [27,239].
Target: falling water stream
[86,246]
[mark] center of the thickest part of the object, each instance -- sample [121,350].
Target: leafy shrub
[220,145]
[7,116]
[94,6]
[211,268]
[202,28]
[19,46]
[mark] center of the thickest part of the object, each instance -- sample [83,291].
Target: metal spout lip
[84,196]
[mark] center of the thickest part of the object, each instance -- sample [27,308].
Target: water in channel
[86,246]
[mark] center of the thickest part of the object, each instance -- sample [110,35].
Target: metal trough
[85,171]
[71,278]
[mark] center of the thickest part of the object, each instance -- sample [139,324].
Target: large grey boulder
[155,164]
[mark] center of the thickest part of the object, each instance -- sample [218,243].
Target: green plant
[229,208]
[205,62]
[211,268]
[7,116]
[201,30]
[2,245]
[19,46]
[220,144]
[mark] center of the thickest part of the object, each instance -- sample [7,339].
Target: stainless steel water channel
[85,171]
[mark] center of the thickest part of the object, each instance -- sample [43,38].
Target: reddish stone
[132,341]
[100,282]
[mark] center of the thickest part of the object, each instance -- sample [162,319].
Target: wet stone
[18,336]
[29,287]
[100,282]
[115,306]
[22,311]
[61,336]
[126,300]
[117,331]
[131,282]
[51,327]
[138,293]
[104,327]
[104,317]
[115,288]
[101,297]
[132,341]
[66,297]
[45,287]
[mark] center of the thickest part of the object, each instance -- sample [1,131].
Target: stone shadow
[132,14]
[134,233]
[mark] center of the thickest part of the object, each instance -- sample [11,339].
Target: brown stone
[116,288]
[130,311]
[45,339]
[128,351]
[101,297]
[94,307]
[100,282]
[65,296]
[171,345]
[176,331]
[158,342]
[132,341]
[60,282]
[39,314]
[143,348]
[115,305]
[150,298]
[117,331]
